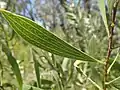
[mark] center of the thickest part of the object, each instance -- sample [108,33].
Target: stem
[94,83]
[112,63]
[113,80]
[110,43]
[116,47]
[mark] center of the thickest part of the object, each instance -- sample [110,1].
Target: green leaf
[14,65]
[40,37]
[110,5]
[93,46]
[36,66]
[101,4]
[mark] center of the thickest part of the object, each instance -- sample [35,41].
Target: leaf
[36,66]
[14,65]
[93,46]
[101,4]
[13,34]
[110,5]
[40,37]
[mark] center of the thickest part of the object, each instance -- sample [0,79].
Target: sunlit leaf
[40,37]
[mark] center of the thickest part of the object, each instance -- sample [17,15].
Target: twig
[110,43]
[116,47]
[94,83]
[113,80]
[112,63]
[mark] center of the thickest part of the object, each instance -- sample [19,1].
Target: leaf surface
[14,65]
[37,71]
[101,4]
[42,38]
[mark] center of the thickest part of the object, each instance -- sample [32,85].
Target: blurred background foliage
[76,21]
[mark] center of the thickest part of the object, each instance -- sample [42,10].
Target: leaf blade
[40,37]
[37,72]
[15,66]
[101,4]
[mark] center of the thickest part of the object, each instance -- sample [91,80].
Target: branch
[110,43]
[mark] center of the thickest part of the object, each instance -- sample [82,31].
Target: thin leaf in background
[14,65]
[110,5]
[36,66]
[101,4]
[40,37]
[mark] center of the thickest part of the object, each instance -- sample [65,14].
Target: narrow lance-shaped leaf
[110,5]
[101,4]
[37,72]
[42,38]
[14,65]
